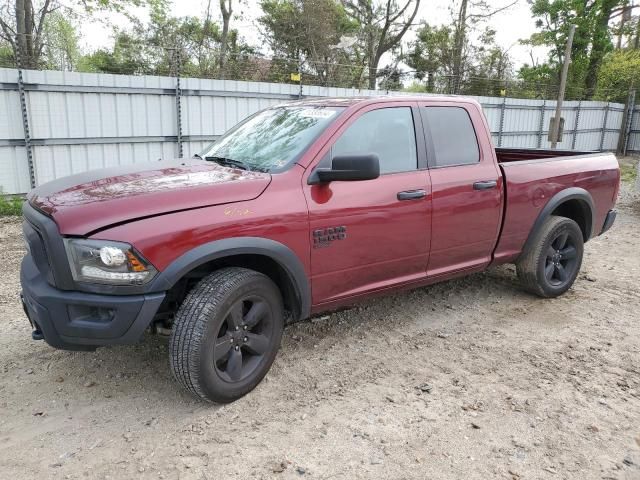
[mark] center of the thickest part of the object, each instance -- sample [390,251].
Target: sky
[511,25]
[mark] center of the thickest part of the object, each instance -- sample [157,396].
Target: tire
[226,334]
[553,262]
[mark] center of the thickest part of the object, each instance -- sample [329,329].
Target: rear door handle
[411,195]
[485,185]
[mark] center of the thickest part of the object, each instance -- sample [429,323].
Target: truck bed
[533,177]
[506,155]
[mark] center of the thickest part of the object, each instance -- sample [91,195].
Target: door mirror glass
[348,168]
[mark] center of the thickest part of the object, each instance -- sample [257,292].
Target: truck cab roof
[364,100]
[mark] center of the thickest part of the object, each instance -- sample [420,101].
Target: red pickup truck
[299,209]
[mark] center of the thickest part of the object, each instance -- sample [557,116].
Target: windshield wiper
[197,155]
[229,162]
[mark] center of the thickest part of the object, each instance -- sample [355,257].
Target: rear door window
[452,136]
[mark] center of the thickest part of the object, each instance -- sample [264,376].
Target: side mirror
[348,168]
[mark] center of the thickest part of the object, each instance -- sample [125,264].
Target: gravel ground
[469,379]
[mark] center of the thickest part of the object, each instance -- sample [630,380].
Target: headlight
[102,261]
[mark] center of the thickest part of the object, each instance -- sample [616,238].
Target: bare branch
[622,11]
[394,39]
[8,33]
[355,8]
[37,40]
[490,14]
[401,12]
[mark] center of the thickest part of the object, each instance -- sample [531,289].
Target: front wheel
[551,266]
[226,334]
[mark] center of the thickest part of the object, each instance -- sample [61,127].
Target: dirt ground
[470,379]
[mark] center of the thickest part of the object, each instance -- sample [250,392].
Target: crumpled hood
[93,200]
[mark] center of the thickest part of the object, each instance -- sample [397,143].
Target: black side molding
[573,193]
[281,254]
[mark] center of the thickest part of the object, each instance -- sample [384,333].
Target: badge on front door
[324,236]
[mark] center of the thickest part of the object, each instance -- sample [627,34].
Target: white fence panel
[83,121]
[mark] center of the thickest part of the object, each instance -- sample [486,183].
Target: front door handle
[411,195]
[485,185]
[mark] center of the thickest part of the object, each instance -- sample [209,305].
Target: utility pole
[563,85]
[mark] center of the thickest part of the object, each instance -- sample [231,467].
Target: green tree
[601,42]
[536,81]
[130,55]
[620,71]
[553,19]
[307,34]
[23,23]
[467,17]
[595,29]
[61,48]
[485,66]
[6,55]
[431,56]
[190,45]
[490,71]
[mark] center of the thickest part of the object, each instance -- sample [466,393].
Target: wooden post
[563,86]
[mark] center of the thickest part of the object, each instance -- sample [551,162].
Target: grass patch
[10,205]
[629,171]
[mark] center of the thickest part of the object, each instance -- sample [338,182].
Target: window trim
[421,160]
[430,146]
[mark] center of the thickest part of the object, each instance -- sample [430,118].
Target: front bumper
[74,320]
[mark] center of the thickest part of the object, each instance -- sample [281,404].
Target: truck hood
[94,200]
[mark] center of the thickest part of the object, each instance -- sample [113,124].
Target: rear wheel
[552,264]
[226,334]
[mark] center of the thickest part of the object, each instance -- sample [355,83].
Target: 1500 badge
[324,236]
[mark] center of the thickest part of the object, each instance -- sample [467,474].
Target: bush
[618,72]
[10,205]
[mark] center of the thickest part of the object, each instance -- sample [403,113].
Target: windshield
[272,139]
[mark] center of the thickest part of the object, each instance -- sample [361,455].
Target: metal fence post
[541,125]
[627,132]
[604,126]
[502,109]
[178,102]
[25,119]
[575,127]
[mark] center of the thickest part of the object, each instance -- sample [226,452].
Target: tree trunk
[21,32]
[599,45]
[27,41]
[430,82]
[623,21]
[373,65]
[32,59]
[459,40]
[373,73]
[224,38]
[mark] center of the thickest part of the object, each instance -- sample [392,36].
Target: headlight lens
[102,261]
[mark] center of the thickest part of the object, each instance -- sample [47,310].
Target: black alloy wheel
[226,334]
[552,262]
[562,259]
[243,339]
